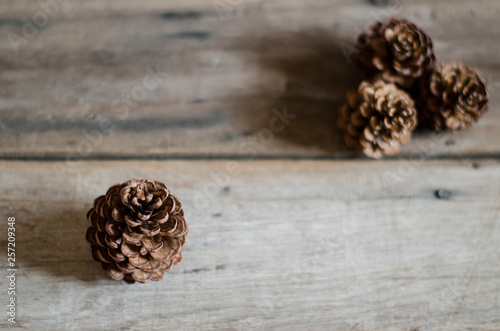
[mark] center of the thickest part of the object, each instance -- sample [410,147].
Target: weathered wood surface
[285,245]
[222,77]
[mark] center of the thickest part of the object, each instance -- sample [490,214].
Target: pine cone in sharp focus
[137,230]
[452,97]
[396,50]
[377,118]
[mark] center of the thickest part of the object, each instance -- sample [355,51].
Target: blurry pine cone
[452,97]
[396,50]
[377,118]
[137,230]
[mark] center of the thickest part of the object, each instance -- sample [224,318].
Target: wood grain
[285,242]
[63,94]
[283,245]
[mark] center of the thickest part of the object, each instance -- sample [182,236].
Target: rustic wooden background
[289,230]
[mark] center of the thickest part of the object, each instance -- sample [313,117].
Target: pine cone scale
[126,267]
[115,273]
[163,254]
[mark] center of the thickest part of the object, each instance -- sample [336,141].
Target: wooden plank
[282,245]
[64,92]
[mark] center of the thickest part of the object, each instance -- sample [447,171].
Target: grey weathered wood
[285,245]
[306,245]
[223,77]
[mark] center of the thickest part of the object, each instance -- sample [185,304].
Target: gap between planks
[58,157]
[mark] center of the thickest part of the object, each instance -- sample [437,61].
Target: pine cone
[377,118]
[137,230]
[396,50]
[452,97]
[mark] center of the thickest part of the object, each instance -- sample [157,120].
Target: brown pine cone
[137,230]
[452,97]
[396,50]
[377,118]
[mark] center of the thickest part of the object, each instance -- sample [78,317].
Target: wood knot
[443,194]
